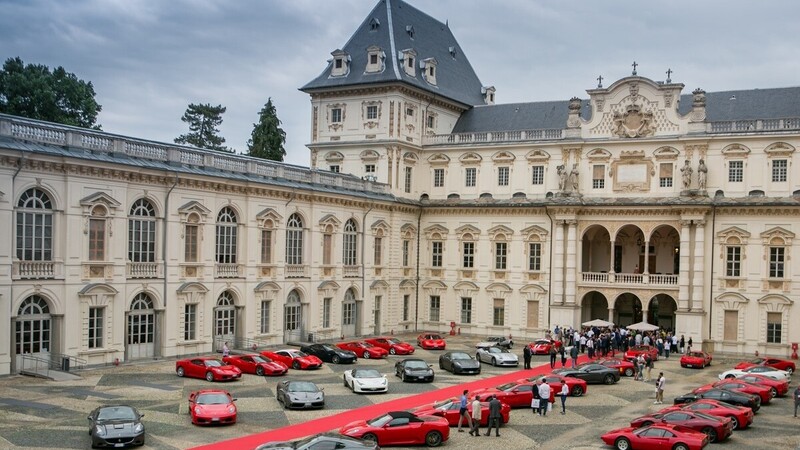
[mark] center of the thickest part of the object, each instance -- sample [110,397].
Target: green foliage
[204,121]
[268,138]
[35,92]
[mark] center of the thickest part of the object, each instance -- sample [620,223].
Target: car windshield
[366,373]
[494,350]
[706,416]
[261,359]
[380,421]
[212,363]
[301,386]
[212,399]
[444,404]
[297,354]
[460,356]
[542,342]
[506,387]
[329,348]
[757,361]
[393,341]
[416,364]
[116,413]
[433,336]
[727,405]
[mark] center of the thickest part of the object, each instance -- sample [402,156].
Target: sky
[149,59]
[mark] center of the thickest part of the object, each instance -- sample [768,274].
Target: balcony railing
[351,271]
[296,271]
[34,270]
[144,270]
[226,270]
[493,137]
[629,278]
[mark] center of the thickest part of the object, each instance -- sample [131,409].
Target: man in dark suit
[494,416]
[526,356]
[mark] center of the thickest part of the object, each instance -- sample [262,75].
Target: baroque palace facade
[637,203]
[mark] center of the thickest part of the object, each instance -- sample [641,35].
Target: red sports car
[517,394]
[212,406]
[741,416]
[778,388]
[739,386]
[696,359]
[400,428]
[624,367]
[431,341]
[782,364]
[543,346]
[393,345]
[717,428]
[656,437]
[449,410]
[206,367]
[363,349]
[256,364]
[294,358]
[637,350]
[576,386]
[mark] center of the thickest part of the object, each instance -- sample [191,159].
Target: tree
[203,121]
[35,92]
[268,138]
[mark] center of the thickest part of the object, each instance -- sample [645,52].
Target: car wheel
[680,446]
[494,362]
[260,371]
[366,355]
[790,370]
[577,391]
[728,377]
[628,372]
[609,379]
[773,392]
[734,422]
[622,444]
[335,359]
[646,423]
[712,435]
[344,382]
[370,437]
[433,439]
[209,376]
[296,365]
[392,351]
[403,377]
[285,403]
[180,372]
[441,366]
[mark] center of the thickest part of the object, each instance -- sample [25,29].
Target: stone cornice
[383,90]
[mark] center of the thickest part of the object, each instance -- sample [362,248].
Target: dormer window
[488,94]
[374,24]
[453,51]
[409,57]
[375,57]
[410,31]
[341,63]
[429,70]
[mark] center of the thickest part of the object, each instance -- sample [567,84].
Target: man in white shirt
[544,394]
[660,383]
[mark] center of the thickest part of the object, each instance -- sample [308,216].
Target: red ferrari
[391,344]
[294,358]
[211,406]
[778,388]
[517,394]
[400,428]
[624,367]
[739,386]
[782,364]
[577,387]
[431,341]
[741,416]
[656,437]
[449,410]
[206,367]
[696,359]
[256,364]
[543,346]
[363,349]
[717,428]
[637,350]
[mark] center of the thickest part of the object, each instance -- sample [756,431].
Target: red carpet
[336,421]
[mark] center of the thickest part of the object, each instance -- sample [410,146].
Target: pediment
[503,156]
[470,158]
[775,302]
[192,287]
[732,300]
[537,156]
[379,284]
[269,215]
[439,158]
[410,158]
[599,154]
[779,149]
[666,153]
[194,207]
[436,230]
[380,226]
[733,235]
[777,236]
[408,284]
[434,285]
[535,233]
[369,155]
[466,287]
[467,229]
[408,230]
[735,150]
[266,286]
[329,223]
[100,198]
[98,288]
[328,285]
[498,287]
[334,157]
[499,230]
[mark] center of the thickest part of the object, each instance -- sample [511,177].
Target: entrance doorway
[140,330]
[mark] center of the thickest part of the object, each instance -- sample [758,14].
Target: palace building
[426,203]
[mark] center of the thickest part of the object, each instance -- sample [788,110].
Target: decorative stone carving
[574,119]
[686,172]
[633,122]
[702,174]
[698,113]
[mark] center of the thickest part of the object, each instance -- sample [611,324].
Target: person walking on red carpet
[494,416]
[475,425]
[463,415]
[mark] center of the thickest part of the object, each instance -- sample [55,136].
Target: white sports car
[775,374]
[497,356]
[365,380]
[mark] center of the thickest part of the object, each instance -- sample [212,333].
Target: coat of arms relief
[634,121]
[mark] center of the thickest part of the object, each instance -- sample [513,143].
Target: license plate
[420,378]
[215,419]
[119,445]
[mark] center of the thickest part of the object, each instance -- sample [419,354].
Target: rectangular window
[776,261]
[438,177]
[369,168]
[336,115]
[141,240]
[190,239]
[266,315]
[34,235]
[466,310]
[735,171]
[334,168]
[469,255]
[779,171]
[266,246]
[431,121]
[190,322]
[499,312]
[406,252]
[97,239]
[774,327]
[410,62]
[502,176]
[437,248]
[96,327]
[537,175]
[326,312]
[327,249]
[372,111]
[598,177]
[349,313]
[470,176]
[406,301]
[373,59]
[665,175]
[500,255]
[407,184]
[410,112]
[731,330]
[535,256]
[733,261]
[433,315]
[378,251]
[338,63]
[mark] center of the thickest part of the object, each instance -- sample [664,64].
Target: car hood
[305,396]
[116,429]
[419,371]
[211,410]
[273,365]
[467,362]
[504,356]
[354,427]
[370,381]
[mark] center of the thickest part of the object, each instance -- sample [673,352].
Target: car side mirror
[141,415]
[322,389]
[89,418]
[234,399]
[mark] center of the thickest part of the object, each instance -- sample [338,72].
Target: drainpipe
[550,277]
[416,284]
[11,288]
[711,284]
[164,239]
[363,261]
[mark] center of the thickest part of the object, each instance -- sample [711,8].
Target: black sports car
[413,369]
[299,394]
[459,362]
[116,426]
[329,353]
[322,441]
[735,398]
[591,373]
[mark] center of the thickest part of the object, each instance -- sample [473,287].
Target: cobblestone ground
[40,414]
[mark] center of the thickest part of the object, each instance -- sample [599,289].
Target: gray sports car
[591,373]
[322,442]
[459,362]
[300,394]
[413,369]
[116,426]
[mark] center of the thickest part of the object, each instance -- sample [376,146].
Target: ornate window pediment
[410,158]
[466,288]
[535,233]
[408,231]
[599,155]
[329,223]
[436,232]
[99,198]
[732,301]
[379,285]
[735,151]
[537,156]
[470,158]
[499,290]
[503,157]
[269,218]
[779,150]
[467,232]
[193,208]
[500,232]
[369,156]
[775,302]
[777,236]
[434,287]
[333,157]
[733,236]
[380,228]
[666,153]
[438,159]
[371,112]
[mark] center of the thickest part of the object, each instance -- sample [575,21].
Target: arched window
[32,332]
[294,240]
[142,232]
[226,236]
[141,302]
[97,233]
[34,226]
[350,243]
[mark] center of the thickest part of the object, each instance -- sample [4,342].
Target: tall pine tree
[268,138]
[204,121]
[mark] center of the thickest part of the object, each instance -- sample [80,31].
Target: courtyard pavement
[41,414]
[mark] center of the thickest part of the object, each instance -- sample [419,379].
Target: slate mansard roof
[455,78]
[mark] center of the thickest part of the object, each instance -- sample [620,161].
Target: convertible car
[400,428]
[459,362]
[449,410]
[209,368]
[365,381]
[322,441]
[781,364]
[775,374]
[296,394]
[576,386]
[738,385]
[624,367]
[496,341]
[497,356]
[657,436]
[516,394]
[212,406]
[696,359]
[330,354]
[116,426]
[363,349]
[295,359]
[393,345]
[413,369]
[591,373]
[741,417]
[637,350]
[543,346]
[256,364]
[735,398]
[431,341]
[716,428]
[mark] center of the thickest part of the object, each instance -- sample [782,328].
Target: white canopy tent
[642,326]
[598,323]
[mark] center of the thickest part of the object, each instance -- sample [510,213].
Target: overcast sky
[149,59]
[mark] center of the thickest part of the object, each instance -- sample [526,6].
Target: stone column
[571,263]
[558,264]
[611,263]
[611,315]
[646,264]
[697,269]
[683,276]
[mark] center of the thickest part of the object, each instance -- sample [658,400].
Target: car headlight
[99,430]
[138,428]
[198,410]
[231,409]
